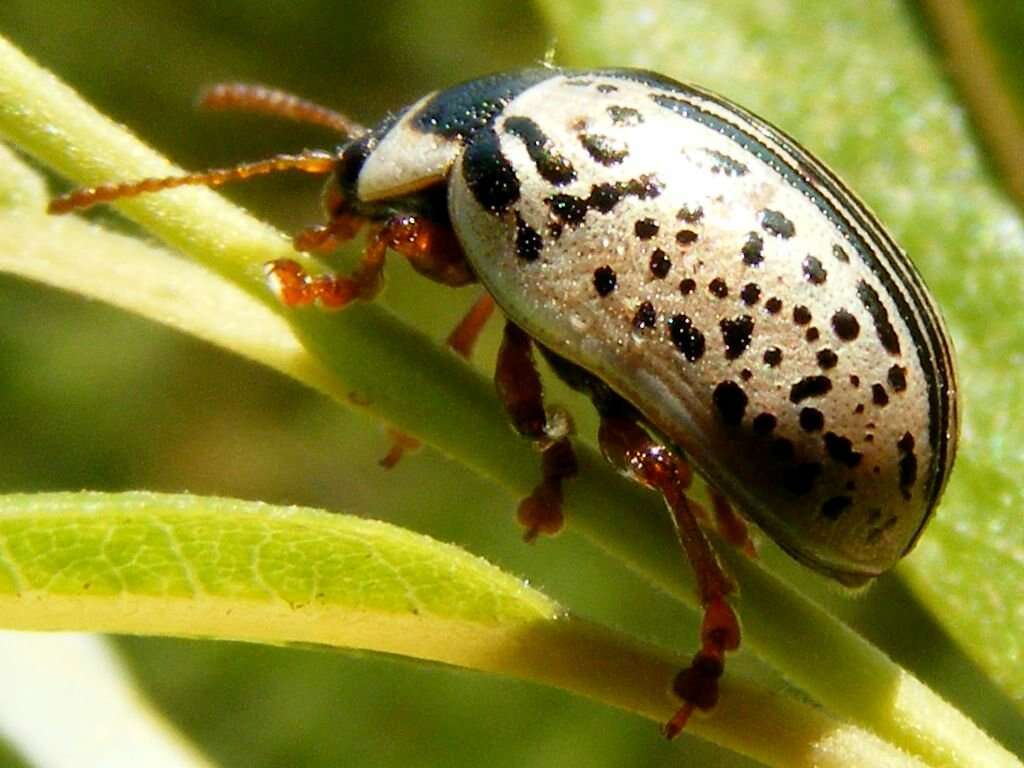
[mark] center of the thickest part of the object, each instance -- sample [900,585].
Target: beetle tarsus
[519,388]
[401,444]
[541,511]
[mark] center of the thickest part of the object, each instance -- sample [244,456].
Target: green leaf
[145,563]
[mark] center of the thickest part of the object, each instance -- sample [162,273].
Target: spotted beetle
[714,288]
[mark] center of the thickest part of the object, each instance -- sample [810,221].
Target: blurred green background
[95,398]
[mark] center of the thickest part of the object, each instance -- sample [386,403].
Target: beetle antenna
[311,161]
[250,97]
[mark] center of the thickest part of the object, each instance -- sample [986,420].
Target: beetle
[717,291]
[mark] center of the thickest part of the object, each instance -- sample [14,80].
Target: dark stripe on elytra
[571,210]
[462,110]
[880,316]
[551,166]
[488,173]
[604,149]
[932,351]
[725,165]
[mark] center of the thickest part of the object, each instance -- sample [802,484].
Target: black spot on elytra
[604,149]
[723,164]
[845,325]
[840,254]
[811,420]
[718,288]
[753,250]
[528,240]
[874,534]
[812,334]
[645,316]
[898,378]
[750,293]
[731,402]
[568,210]
[686,237]
[854,380]
[690,215]
[645,229]
[772,356]
[607,88]
[764,424]
[736,334]
[571,210]
[773,306]
[775,223]
[880,317]
[660,263]
[835,506]
[841,450]
[799,480]
[878,395]
[810,386]
[746,374]
[801,315]
[685,337]
[687,286]
[551,166]
[625,115]
[605,280]
[908,464]
[488,173]
[782,450]
[814,271]
[459,112]
[827,359]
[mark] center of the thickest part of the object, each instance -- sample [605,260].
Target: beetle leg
[431,249]
[401,443]
[463,337]
[519,388]
[627,446]
[731,526]
[322,238]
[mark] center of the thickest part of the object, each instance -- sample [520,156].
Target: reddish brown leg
[631,449]
[326,237]
[463,338]
[520,390]
[431,249]
[731,526]
[401,443]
